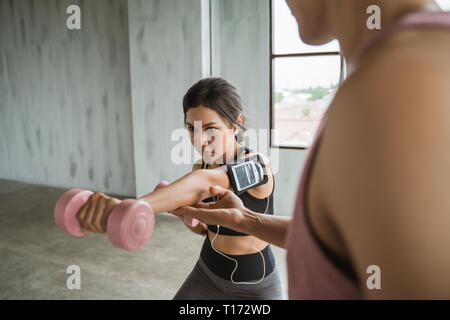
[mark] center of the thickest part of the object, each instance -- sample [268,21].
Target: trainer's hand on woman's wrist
[229,211]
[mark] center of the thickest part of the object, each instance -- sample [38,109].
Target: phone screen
[246,175]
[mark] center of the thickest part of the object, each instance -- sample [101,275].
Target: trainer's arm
[269,228]
[230,212]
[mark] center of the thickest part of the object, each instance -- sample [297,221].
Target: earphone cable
[253,246]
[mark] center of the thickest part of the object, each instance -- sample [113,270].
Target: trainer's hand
[229,211]
[93,216]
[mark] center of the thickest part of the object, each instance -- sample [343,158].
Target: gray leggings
[203,284]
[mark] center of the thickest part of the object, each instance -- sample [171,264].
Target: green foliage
[306,112]
[316,93]
[278,97]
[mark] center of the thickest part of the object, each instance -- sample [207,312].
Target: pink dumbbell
[130,223]
[189,221]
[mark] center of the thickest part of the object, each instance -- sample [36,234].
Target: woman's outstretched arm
[188,190]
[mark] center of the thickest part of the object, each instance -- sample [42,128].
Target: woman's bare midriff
[236,245]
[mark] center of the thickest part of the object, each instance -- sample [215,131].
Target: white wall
[165,60]
[65,111]
[95,108]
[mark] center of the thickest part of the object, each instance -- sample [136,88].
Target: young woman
[232,265]
[373,212]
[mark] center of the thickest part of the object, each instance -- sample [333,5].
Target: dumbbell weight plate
[67,208]
[130,224]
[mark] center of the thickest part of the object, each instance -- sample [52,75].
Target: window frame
[274,56]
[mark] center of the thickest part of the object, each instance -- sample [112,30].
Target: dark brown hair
[219,95]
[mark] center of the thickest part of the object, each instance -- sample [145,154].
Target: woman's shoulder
[380,121]
[265,190]
[405,58]
[251,153]
[406,75]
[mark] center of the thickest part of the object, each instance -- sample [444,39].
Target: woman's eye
[191,129]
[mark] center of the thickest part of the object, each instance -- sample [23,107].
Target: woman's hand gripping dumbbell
[128,223]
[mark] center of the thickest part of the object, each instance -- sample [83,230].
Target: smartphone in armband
[247,174]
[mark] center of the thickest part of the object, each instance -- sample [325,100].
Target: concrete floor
[35,254]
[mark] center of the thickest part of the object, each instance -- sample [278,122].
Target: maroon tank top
[313,271]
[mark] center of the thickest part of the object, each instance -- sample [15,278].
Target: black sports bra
[250,202]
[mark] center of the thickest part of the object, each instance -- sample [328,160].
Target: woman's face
[211,136]
[311,16]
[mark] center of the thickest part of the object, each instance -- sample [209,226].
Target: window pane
[303,88]
[445,4]
[286,38]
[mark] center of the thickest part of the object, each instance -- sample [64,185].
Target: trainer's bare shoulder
[386,155]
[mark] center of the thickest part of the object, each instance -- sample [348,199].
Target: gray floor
[34,254]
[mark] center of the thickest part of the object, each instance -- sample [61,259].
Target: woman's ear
[240,119]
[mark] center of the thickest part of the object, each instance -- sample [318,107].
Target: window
[445,4]
[303,80]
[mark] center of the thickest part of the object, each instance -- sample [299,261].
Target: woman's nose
[201,139]
[209,142]
[206,138]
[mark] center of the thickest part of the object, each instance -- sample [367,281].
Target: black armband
[247,174]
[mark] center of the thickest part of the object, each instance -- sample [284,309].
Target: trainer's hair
[219,95]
